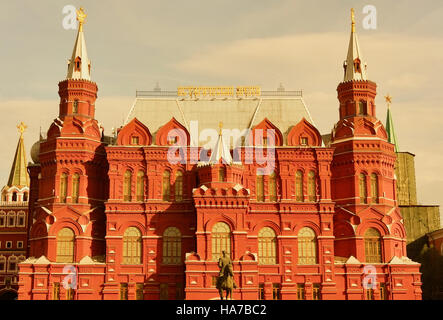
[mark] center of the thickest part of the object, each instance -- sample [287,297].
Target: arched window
[307,246]
[166,185]
[374,188]
[172,246]
[75,107]
[221,240]
[127,186]
[312,187]
[12,264]
[362,108]
[63,187]
[65,246]
[299,186]
[11,219]
[373,246]
[25,196]
[14,196]
[259,188]
[221,174]
[2,263]
[140,185]
[272,187]
[75,187]
[267,246]
[178,186]
[363,188]
[132,246]
[2,219]
[21,219]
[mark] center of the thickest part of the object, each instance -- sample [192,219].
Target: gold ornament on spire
[81,16]
[353,19]
[220,125]
[388,100]
[21,128]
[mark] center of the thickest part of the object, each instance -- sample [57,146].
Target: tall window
[301,291]
[221,240]
[14,196]
[299,186]
[312,187]
[25,196]
[65,246]
[166,185]
[139,291]
[123,291]
[363,188]
[272,187]
[127,186]
[307,246]
[259,188]
[2,219]
[172,246]
[267,246]
[316,292]
[63,187]
[11,219]
[374,188]
[372,246]
[362,108]
[2,263]
[12,264]
[221,174]
[21,219]
[140,185]
[56,291]
[132,246]
[179,186]
[75,187]
[75,107]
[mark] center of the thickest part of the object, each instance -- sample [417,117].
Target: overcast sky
[302,44]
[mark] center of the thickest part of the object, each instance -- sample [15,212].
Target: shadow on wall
[431,267]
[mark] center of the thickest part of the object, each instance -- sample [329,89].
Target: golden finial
[220,125]
[81,16]
[353,19]
[21,128]
[388,100]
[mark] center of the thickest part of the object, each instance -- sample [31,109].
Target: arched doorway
[8,294]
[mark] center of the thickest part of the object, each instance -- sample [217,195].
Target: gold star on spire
[81,16]
[21,128]
[388,99]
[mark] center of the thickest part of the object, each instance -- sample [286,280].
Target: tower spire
[18,176]
[392,138]
[354,66]
[79,65]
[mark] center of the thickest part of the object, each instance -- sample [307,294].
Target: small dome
[35,152]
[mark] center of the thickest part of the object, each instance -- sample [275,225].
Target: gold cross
[388,99]
[21,128]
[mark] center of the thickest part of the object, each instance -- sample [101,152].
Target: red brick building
[14,221]
[301,218]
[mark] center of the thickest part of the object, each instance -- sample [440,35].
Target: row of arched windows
[140,186]
[11,263]
[363,188]
[299,187]
[221,241]
[12,219]
[14,196]
[64,187]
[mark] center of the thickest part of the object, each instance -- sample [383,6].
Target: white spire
[79,66]
[355,66]
[220,151]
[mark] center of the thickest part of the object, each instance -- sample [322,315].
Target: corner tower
[363,181]
[71,170]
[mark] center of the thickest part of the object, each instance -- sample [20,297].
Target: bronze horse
[226,282]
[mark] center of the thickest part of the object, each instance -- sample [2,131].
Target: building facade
[14,221]
[146,214]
